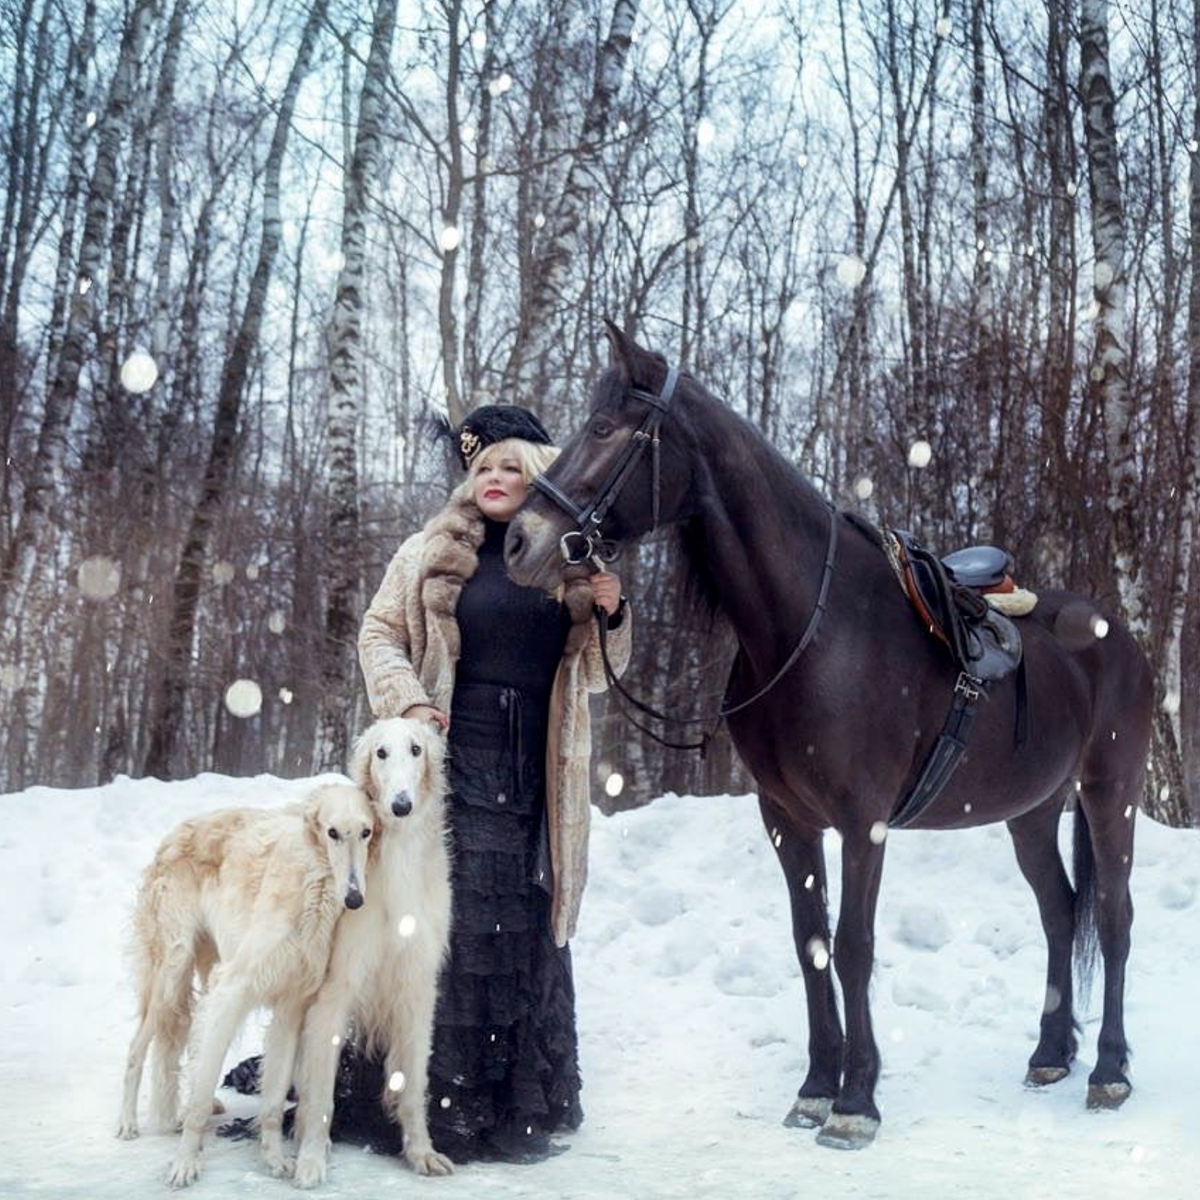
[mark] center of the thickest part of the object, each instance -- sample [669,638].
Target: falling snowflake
[943,27]
[1099,626]
[1102,276]
[468,134]
[1072,188]
[139,372]
[396,1081]
[99,577]
[818,952]
[90,119]
[500,85]
[285,694]
[808,883]
[622,128]
[407,926]
[445,1101]
[243,698]
[802,160]
[851,271]
[920,454]
[878,832]
[277,621]
[479,40]
[223,572]
[864,487]
[1164,794]
[450,237]
[706,131]
[614,784]
[252,572]
[1170,702]
[336,1040]
[85,285]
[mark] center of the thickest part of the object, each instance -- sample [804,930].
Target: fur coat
[409,646]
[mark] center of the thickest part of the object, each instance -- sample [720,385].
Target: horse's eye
[366,833]
[381,752]
[333,833]
[601,428]
[416,750]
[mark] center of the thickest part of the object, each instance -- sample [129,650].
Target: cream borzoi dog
[383,971]
[248,899]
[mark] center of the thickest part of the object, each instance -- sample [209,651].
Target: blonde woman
[506,670]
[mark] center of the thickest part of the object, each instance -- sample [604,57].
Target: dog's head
[400,763]
[340,820]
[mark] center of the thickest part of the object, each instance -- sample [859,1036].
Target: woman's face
[498,487]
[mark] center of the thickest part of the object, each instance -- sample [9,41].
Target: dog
[249,901]
[383,971]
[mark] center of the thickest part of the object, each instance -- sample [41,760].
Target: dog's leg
[171,1008]
[225,1006]
[279,1058]
[128,1127]
[410,1045]
[320,1047]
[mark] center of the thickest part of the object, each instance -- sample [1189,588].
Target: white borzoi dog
[248,900]
[383,971]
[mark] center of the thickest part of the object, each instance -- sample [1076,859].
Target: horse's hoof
[809,1112]
[848,1131]
[1041,1076]
[1108,1095]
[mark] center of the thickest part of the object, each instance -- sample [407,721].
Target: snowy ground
[690,1015]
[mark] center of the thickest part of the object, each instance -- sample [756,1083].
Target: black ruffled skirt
[504,1073]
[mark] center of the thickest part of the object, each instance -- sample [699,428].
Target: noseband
[584,541]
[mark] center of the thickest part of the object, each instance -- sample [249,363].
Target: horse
[836,735]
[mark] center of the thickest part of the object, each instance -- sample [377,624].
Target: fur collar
[451,556]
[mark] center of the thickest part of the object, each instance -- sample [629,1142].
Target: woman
[506,671]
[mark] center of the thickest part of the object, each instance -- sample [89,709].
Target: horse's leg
[1035,839]
[1110,807]
[803,861]
[854,1120]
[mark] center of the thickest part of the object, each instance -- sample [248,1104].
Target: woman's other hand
[426,712]
[606,591]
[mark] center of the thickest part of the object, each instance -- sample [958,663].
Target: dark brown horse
[840,739]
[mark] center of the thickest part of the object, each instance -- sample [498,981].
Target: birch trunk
[171,686]
[342,542]
[553,258]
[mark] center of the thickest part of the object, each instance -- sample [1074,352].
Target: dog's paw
[279,1164]
[309,1171]
[429,1162]
[127,1130]
[184,1170]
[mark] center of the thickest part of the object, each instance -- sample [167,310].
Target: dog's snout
[402,804]
[354,898]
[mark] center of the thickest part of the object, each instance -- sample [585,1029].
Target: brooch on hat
[468,444]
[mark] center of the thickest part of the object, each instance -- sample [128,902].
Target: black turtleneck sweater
[512,636]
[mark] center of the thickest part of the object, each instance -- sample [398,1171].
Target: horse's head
[612,482]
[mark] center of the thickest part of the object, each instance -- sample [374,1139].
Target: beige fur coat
[409,646]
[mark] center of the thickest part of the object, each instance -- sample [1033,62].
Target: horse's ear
[625,351]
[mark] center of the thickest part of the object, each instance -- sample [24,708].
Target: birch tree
[342,561]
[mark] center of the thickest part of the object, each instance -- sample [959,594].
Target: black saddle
[984,643]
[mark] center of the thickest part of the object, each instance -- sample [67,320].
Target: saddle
[948,595]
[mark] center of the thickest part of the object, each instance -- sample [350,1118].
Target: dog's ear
[375,845]
[360,768]
[314,826]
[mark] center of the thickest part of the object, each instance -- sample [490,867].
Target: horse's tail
[1087,938]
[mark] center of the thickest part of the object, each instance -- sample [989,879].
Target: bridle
[585,542]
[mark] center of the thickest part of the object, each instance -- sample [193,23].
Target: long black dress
[504,1072]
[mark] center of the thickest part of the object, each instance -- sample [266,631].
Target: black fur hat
[493,423]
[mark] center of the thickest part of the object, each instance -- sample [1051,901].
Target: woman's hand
[606,591]
[426,712]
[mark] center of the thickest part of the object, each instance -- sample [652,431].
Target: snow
[691,1017]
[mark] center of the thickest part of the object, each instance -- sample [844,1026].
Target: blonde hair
[532,457]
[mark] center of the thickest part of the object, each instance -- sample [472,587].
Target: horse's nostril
[514,545]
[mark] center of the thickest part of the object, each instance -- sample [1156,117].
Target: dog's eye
[333,833]
[381,752]
[416,750]
[366,833]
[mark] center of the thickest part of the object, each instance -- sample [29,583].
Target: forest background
[944,254]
